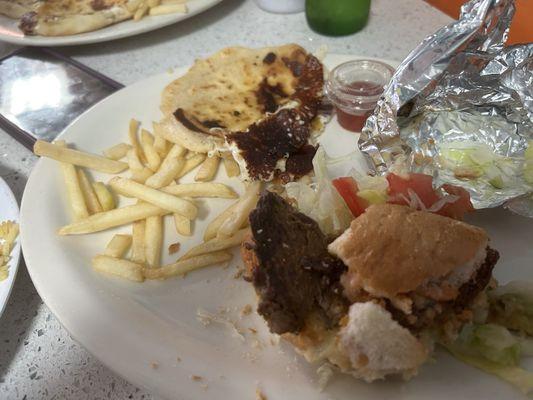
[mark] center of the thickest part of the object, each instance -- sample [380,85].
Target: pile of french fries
[141,8]
[155,167]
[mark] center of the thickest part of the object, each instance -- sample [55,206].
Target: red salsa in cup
[354,89]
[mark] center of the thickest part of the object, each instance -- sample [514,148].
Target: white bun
[370,345]
[378,346]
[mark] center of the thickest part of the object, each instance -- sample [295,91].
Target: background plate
[9,210]
[9,32]
[134,327]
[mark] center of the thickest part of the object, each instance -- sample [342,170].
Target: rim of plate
[32,259]
[15,252]
[111,32]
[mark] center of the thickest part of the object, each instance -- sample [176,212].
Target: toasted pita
[257,104]
[223,88]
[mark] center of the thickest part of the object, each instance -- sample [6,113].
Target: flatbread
[258,104]
[222,90]
[17,8]
[70,17]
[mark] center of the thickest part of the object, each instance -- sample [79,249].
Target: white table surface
[38,359]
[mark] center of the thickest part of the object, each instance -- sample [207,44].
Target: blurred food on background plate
[68,17]
[8,234]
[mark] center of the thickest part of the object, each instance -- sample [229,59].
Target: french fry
[207,189]
[208,169]
[106,199]
[117,151]
[168,9]
[190,154]
[75,194]
[176,151]
[232,167]
[134,124]
[156,197]
[91,200]
[161,145]
[118,246]
[110,219]
[217,244]
[80,158]
[169,168]
[153,3]
[139,173]
[191,163]
[141,11]
[134,161]
[240,214]
[153,240]
[141,176]
[183,225]
[166,173]
[138,253]
[118,267]
[214,226]
[184,266]
[173,1]
[152,157]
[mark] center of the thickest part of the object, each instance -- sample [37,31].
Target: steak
[293,273]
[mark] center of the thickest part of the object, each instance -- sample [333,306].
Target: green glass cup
[337,17]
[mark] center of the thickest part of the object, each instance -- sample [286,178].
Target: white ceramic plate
[134,327]
[9,31]
[9,211]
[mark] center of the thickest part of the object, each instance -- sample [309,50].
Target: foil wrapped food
[460,108]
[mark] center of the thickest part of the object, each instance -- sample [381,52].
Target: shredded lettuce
[374,189]
[473,160]
[373,196]
[511,305]
[494,342]
[526,345]
[320,199]
[516,376]
[494,349]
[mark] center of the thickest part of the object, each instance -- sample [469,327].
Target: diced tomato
[458,208]
[421,184]
[347,188]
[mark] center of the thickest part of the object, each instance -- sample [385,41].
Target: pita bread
[225,98]
[223,88]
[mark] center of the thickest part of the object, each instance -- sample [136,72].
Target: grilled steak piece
[293,273]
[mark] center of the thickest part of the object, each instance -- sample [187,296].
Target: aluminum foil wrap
[461,85]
